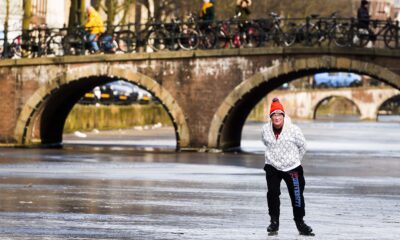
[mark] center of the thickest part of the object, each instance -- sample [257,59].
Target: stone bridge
[208,94]
[304,103]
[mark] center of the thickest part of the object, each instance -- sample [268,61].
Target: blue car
[336,80]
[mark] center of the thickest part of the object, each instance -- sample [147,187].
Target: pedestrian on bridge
[94,26]
[243,10]
[207,12]
[285,148]
[363,15]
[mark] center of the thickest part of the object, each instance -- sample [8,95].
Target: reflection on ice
[130,195]
[339,138]
[353,184]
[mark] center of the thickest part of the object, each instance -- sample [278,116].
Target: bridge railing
[191,34]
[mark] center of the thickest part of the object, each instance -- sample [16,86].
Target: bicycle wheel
[222,38]
[157,40]
[361,37]
[1,47]
[208,39]
[16,47]
[73,45]
[253,36]
[171,40]
[309,35]
[313,35]
[126,41]
[188,39]
[67,46]
[391,37]
[287,38]
[340,35]
[54,46]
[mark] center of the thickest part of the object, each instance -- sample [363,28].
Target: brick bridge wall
[303,104]
[208,94]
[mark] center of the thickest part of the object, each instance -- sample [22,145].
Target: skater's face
[278,120]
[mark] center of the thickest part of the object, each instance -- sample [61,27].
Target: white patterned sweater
[286,152]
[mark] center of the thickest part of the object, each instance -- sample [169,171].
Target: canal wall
[104,117]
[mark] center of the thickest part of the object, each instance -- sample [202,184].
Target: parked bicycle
[24,45]
[308,32]
[334,31]
[198,34]
[189,37]
[317,30]
[278,35]
[195,34]
[51,44]
[392,34]
[162,36]
[126,38]
[236,34]
[362,36]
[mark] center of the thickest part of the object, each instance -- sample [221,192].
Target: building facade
[381,9]
[15,13]
[51,13]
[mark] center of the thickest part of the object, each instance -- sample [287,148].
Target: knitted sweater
[286,152]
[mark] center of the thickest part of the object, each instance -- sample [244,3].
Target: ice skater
[285,148]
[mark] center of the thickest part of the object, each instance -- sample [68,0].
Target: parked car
[91,97]
[121,92]
[144,97]
[118,92]
[336,80]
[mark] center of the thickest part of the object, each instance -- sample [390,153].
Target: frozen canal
[352,192]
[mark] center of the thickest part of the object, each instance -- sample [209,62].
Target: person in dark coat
[363,15]
[207,12]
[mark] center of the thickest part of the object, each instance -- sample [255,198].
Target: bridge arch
[320,101]
[55,99]
[227,123]
[384,101]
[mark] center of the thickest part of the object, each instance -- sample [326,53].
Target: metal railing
[312,31]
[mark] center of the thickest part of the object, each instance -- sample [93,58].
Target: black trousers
[295,183]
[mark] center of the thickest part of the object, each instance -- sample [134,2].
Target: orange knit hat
[276,107]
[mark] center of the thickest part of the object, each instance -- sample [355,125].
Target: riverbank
[87,118]
[105,117]
[122,194]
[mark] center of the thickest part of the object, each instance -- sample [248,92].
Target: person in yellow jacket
[94,26]
[207,11]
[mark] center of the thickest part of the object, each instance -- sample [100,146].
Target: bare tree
[77,14]
[6,18]
[96,4]
[120,11]
[26,21]
[82,12]
[111,11]
[117,11]
[4,51]
[126,7]
[73,16]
